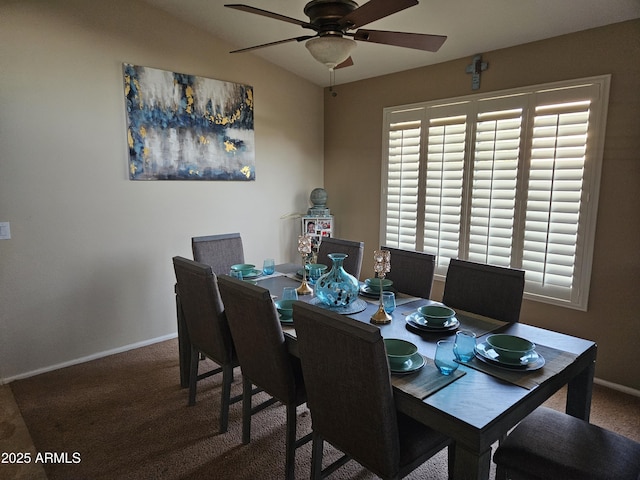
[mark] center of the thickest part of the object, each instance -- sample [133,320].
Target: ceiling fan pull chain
[332,81]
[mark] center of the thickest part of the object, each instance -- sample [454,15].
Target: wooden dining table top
[482,404]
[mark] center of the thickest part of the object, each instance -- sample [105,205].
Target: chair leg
[227,379]
[193,376]
[290,442]
[316,457]
[246,410]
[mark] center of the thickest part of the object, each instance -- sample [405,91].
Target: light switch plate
[5,231]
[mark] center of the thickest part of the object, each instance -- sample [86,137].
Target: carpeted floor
[126,417]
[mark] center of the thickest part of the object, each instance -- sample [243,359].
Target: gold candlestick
[304,249]
[382,266]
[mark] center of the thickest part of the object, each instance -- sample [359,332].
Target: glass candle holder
[382,266]
[304,249]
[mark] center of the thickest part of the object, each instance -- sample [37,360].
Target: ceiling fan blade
[419,41]
[297,39]
[266,13]
[347,63]
[374,10]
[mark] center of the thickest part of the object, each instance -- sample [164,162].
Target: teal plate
[415,362]
[418,321]
[368,292]
[532,361]
[252,274]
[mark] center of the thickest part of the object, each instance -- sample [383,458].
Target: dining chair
[412,272]
[483,289]
[355,250]
[218,251]
[207,329]
[264,358]
[350,397]
[549,444]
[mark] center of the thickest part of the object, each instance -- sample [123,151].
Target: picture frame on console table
[317,227]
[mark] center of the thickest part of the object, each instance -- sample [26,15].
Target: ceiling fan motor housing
[326,14]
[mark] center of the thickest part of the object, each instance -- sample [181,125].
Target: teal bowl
[319,266]
[509,347]
[399,351]
[374,284]
[245,268]
[285,309]
[436,315]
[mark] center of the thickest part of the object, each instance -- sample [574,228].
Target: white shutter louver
[443,193]
[493,197]
[402,184]
[555,194]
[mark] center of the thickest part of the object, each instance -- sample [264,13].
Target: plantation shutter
[403,171]
[443,192]
[493,187]
[508,179]
[556,193]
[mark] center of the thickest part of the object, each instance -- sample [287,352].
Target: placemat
[478,324]
[356,307]
[294,277]
[274,274]
[555,361]
[401,299]
[425,381]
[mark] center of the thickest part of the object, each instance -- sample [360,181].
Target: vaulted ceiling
[472,27]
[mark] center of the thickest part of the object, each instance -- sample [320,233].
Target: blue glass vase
[337,288]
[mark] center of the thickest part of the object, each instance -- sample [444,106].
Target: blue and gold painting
[185,127]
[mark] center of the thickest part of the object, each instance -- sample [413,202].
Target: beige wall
[353,139]
[88,269]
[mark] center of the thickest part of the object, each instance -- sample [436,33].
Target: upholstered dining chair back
[355,250]
[258,337]
[486,290]
[412,272]
[203,309]
[218,251]
[264,357]
[350,396]
[207,328]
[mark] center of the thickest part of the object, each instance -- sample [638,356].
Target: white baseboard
[88,358]
[618,387]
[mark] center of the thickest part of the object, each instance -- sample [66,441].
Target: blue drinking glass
[464,346]
[268,266]
[313,274]
[445,358]
[236,274]
[388,301]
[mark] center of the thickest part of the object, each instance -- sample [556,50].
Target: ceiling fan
[332,21]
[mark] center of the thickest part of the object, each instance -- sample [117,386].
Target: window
[509,178]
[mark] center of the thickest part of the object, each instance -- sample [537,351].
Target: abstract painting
[184,127]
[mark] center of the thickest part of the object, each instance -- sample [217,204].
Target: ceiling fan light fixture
[330,50]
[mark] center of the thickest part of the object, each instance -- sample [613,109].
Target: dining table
[480,402]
